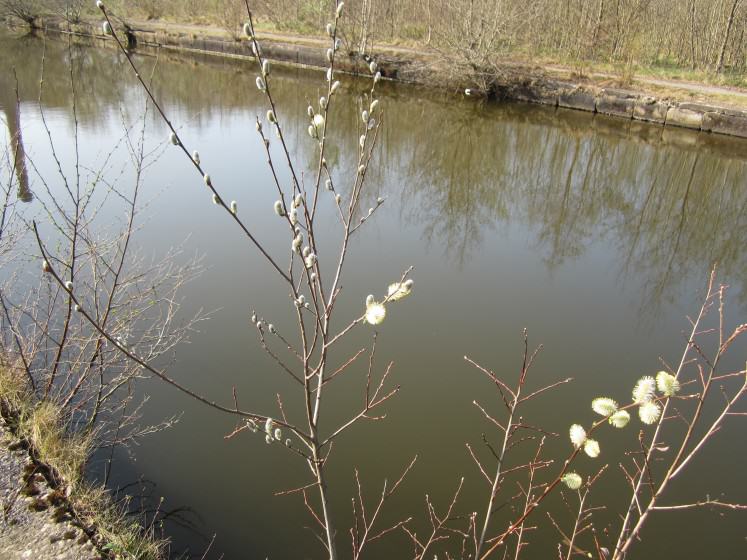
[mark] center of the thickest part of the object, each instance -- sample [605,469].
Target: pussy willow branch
[312,378]
[297,187]
[260,60]
[322,306]
[624,539]
[682,456]
[181,145]
[499,540]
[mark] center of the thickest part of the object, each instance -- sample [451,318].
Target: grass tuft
[44,425]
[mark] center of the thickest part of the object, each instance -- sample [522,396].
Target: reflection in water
[12,112]
[673,203]
[671,211]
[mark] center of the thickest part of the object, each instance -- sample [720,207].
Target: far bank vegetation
[685,38]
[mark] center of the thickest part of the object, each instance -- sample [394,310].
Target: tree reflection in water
[672,201]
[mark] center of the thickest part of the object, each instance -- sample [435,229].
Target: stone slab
[578,99]
[650,110]
[685,118]
[611,104]
[535,92]
[725,124]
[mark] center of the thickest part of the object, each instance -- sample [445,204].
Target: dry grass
[45,427]
[124,537]
[64,451]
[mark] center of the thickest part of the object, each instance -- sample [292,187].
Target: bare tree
[64,360]
[727,32]
[25,10]
[70,10]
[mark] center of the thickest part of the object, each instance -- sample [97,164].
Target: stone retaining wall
[633,105]
[514,84]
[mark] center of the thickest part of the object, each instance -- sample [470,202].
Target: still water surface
[595,234]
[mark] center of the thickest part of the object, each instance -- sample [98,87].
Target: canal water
[597,235]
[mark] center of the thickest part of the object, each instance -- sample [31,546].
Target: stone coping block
[534,91]
[650,109]
[686,118]
[709,108]
[578,99]
[722,123]
[608,103]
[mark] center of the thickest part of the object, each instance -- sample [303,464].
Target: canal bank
[49,512]
[511,81]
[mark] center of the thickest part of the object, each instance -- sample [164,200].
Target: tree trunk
[692,34]
[720,63]
[597,27]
